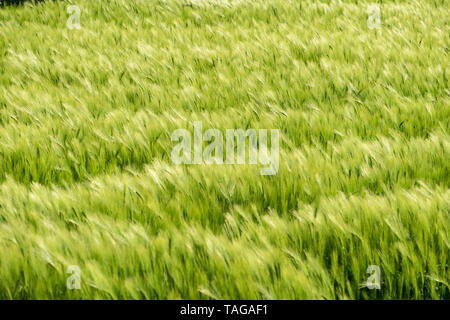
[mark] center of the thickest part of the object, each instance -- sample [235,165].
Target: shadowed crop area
[91,92]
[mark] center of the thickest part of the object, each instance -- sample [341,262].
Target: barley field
[91,92]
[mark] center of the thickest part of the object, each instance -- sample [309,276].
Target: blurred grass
[85,171]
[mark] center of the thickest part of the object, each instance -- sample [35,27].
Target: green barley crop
[87,179]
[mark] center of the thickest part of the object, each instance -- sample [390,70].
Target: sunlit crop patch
[93,204]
